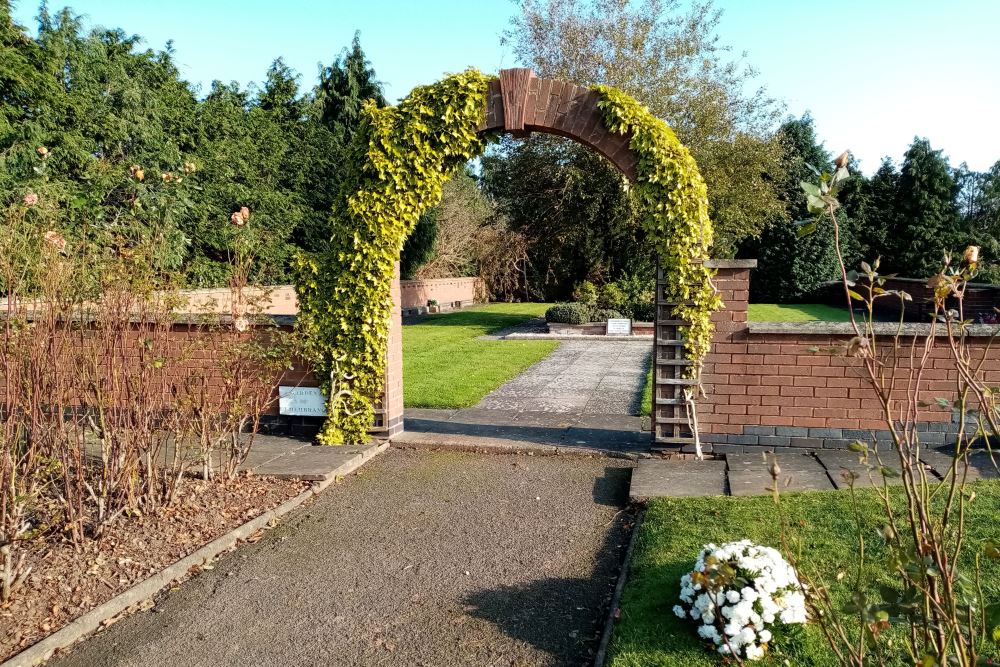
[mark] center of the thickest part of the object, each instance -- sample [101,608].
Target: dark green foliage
[790,266]
[873,206]
[926,223]
[979,206]
[572,206]
[419,244]
[343,89]
[99,103]
[604,314]
[568,313]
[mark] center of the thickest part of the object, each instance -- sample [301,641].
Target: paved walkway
[298,458]
[421,559]
[749,474]
[545,432]
[585,395]
[580,377]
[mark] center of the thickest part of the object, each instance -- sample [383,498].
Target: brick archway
[518,103]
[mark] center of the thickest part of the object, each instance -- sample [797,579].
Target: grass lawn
[796,312]
[649,635]
[444,366]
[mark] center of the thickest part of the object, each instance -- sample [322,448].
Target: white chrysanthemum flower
[739,617]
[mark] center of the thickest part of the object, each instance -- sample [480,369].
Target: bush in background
[568,313]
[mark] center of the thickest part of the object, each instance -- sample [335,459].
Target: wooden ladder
[670,425]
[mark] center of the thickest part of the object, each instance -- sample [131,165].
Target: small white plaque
[301,401]
[619,327]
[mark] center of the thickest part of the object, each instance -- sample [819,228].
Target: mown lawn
[444,366]
[796,312]
[649,635]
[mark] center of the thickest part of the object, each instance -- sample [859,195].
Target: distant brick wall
[980,302]
[766,388]
[448,292]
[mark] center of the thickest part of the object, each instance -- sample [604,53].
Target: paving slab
[750,474]
[843,464]
[655,478]
[591,377]
[313,463]
[480,428]
[981,466]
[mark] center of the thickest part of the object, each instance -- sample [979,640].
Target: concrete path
[580,377]
[419,559]
[479,428]
[297,458]
[749,474]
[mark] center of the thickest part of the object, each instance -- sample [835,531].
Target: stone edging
[591,338]
[93,619]
[609,624]
[443,441]
[880,328]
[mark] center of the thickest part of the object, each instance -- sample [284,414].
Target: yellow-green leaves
[676,216]
[404,155]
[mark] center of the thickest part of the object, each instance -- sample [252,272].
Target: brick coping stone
[880,328]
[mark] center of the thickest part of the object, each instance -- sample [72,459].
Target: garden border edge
[92,621]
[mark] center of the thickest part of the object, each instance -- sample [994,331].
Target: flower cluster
[739,594]
[240,217]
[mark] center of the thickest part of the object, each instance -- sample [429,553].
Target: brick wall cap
[916,281]
[880,328]
[731,263]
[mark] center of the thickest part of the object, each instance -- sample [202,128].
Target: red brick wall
[980,303]
[190,348]
[765,387]
[446,291]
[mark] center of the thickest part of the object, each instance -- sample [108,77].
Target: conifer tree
[926,223]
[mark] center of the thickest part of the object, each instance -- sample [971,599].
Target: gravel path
[590,377]
[422,558]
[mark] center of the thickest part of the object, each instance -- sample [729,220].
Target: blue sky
[873,73]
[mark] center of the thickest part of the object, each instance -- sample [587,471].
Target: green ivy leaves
[676,216]
[402,157]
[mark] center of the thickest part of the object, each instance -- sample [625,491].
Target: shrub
[568,313]
[644,311]
[586,292]
[604,314]
[611,296]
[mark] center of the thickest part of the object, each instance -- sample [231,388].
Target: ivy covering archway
[402,156]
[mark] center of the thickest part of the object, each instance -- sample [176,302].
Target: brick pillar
[732,279]
[392,400]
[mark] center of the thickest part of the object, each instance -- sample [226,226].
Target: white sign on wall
[301,401]
[619,327]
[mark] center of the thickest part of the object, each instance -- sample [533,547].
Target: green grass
[444,366]
[647,395]
[649,635]
[796,312]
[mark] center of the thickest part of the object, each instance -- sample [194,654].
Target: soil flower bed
[67,581]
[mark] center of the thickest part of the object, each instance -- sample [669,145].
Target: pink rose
[31,199]
[55,240]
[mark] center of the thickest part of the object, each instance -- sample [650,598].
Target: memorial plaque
[619,327]
[301,401]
